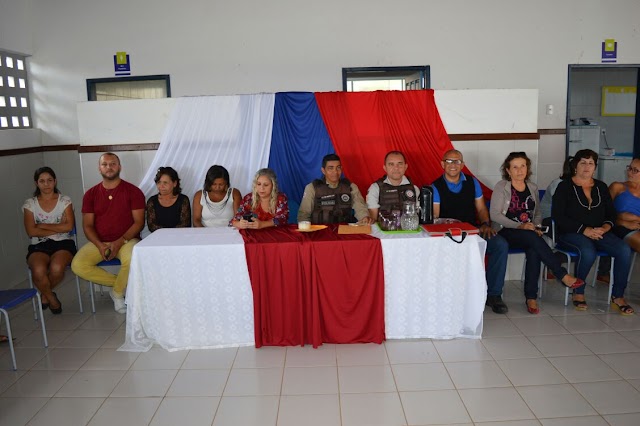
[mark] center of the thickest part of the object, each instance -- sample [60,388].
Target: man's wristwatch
[486,223]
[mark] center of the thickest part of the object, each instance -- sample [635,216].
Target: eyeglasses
[632,170]
[452,161]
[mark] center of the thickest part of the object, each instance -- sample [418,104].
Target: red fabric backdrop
[364,126]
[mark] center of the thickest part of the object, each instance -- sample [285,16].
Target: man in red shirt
[112,218]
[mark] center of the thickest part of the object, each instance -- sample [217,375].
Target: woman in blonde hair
[264,206]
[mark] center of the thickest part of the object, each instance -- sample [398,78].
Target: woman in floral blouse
[48,220]
[264,206]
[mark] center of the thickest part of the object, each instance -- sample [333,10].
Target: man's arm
[373,197]
[483,217]
[88,226]
[132,232]
[358,205]
[306,205]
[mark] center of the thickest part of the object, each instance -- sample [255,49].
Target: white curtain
[232,131]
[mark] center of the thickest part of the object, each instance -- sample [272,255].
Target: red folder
[438,230]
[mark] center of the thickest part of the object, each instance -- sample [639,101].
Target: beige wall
[214,47]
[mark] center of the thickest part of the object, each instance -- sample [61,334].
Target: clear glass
[409,220]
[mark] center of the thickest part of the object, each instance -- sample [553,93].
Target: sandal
[580,305]
[5,339]
[625,310]
[577,283]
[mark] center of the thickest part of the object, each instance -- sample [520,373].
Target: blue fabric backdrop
[298,143]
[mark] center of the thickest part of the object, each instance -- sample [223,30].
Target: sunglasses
[632,170]
[452,161]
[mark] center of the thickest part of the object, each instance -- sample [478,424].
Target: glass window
[122,88]
[15,112]
[369,79]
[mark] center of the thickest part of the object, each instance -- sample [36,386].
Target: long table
[191,288]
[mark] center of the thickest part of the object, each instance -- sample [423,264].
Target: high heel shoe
[58,310]
[578,283]
[535,310]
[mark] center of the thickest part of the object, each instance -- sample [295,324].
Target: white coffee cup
[304,225]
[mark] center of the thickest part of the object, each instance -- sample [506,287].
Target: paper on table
[349,229]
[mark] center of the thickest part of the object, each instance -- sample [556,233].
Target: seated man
[458,196]
[332,199]
[391,191]
[112,218]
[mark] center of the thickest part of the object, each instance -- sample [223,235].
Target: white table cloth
[189,288]
[434,287]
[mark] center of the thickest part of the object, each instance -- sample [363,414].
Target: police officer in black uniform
[332,199]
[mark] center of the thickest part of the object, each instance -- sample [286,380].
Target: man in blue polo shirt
[459,196]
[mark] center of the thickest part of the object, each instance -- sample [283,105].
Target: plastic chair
[74,234]
[569,254]
[12,298]
[112,262]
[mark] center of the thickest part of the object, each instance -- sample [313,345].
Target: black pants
[536,251]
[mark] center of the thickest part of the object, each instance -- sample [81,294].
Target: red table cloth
[315,287]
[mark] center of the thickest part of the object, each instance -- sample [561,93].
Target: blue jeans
[587,249]
[536,250]
[497,250]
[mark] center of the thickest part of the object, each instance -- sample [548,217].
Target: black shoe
[497,305]
[56,311]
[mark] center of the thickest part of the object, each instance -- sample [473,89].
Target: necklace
[110,192]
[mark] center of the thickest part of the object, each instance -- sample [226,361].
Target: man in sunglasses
[459,196]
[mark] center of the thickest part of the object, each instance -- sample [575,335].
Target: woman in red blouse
[264,206]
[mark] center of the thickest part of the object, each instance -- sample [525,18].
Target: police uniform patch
[409,193]
[345,198]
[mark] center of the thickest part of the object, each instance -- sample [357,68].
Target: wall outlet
[604,131]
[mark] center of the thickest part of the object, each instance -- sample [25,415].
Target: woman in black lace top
[169,208]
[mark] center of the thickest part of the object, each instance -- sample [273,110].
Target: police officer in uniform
[332,199]
[392,190]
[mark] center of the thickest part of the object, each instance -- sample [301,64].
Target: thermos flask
[426,205]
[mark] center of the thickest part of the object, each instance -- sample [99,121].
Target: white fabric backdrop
[232,131]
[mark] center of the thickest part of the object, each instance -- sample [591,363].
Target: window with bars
[15,105]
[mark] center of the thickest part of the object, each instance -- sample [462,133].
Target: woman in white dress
[217,202]
[48,220]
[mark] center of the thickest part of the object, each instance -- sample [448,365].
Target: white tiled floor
[561,367]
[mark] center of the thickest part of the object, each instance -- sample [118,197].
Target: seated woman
[626,200]
[584,214]
[515,212]
[169,208]
[216,204]
[264,206]
[604,265]
[48,220]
